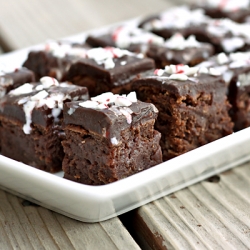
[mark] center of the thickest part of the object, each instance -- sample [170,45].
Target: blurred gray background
[28,22]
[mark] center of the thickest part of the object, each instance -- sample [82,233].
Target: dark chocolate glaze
[45,63]
[106,123]
[192,86]
[14,79]
[189,56]
[9,107]
[237,15]
[86,72]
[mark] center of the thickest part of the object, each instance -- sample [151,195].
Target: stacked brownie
[54,59]
[235,69]
[109,138]
[13,78]
[193,106]
[31,122]
[109,69]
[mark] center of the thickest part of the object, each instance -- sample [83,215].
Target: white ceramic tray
[97,203]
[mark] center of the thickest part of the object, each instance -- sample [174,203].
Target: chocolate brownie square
[180,19]
[234,10]
[178,50]
[224,34]
[193,107]
[124,37]
[235,69]
[13,78]
[109,138]
[31,118]
[108,69]
[54,59]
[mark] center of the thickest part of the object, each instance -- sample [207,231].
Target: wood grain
[208,215]
[24,225]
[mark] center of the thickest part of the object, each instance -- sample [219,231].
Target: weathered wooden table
[213,214]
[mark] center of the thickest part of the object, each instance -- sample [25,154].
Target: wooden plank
[207,215]
[24,225]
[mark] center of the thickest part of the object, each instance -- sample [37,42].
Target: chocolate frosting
[125,69]
[106,122]
[10,108]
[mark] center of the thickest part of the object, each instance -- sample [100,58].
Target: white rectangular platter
[98,203]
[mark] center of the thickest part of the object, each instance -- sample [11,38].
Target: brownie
[193,107]
[178,50]
[31,118]
[180,19]
[235,69]
[109,138]
[226,35]
[124,37]
[234,10]
[10,79]
[54,59]
[223,33]
[108,69]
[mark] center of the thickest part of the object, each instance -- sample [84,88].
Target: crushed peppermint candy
[48,81]
[40,97]
[181,69]
[227,5]
[178,42]
[119,104]
[180,77]
[61,50]
[159,72]
[222,58]
[105,56]
[126,35]
[178,18]
[23,89]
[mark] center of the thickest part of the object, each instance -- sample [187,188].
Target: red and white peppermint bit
[116,33]
[159,72]
[116,103]
[222,4]
[180,68]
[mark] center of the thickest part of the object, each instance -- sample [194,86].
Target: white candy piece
[180,77]
[122,101]
[48,81]
[114,141]
[23,89]
[159,72]
[40,95]
[88,104]
[109,63]
[214,72]
[132,96]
